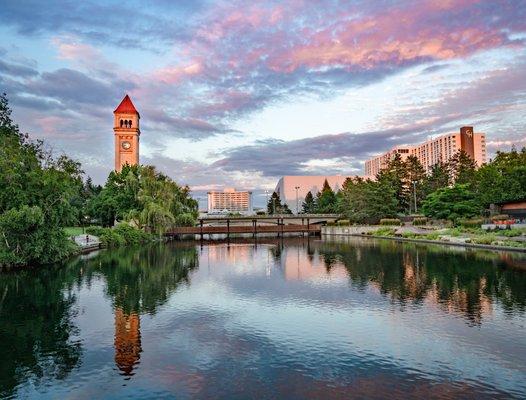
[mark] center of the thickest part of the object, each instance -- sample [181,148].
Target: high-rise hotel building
[229,200]
[435,150]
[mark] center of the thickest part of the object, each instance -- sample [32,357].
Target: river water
[284,319]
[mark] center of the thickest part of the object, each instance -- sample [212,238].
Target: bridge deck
[232,229]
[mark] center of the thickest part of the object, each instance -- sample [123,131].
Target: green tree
[452,203]
[462,168]
[394,176]
[325,199]
[438,178]
[146,198]
[367,201]
[502,179]
[309,204]
[37,198]
[275,206]
[413,181]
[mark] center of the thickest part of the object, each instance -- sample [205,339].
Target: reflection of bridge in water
[309,224]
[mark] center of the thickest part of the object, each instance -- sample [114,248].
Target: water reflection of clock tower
[126,131]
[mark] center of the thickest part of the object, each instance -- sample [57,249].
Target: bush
[471,223]
[95,230]
[484,239]
[343,222]
[419,221]
[121,235]
[185,219]
[500,217]
[132,235]
[384,232]
[512,232]
[390,221]
[331,223]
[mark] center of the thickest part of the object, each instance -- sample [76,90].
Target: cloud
[17,70]
[275,158]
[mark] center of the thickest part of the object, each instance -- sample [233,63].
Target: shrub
[419,221]
[484,239]
[500,217]
[185,219]
[122,234]
[331,223]
[432,236]
[471,223]
[95,230]
[390,221]
[343,222]
[110,238]
[512,232]
[384,232]
[132,235]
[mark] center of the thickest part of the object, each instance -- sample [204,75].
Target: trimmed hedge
[390,221]
[471,223]
[419,221]
[500,217]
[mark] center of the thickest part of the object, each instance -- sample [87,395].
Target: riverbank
[429,237]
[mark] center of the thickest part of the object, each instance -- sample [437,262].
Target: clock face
[126,145]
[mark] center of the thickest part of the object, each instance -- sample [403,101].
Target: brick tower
[127,132]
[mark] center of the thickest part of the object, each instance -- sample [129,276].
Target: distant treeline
[453,190]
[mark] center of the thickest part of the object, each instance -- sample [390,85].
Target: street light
[414,193]
[297,204]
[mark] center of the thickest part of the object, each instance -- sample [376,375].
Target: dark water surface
[292,319]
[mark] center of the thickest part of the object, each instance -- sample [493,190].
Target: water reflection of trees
[140,280]
[37,333]
[35,327]
[465,282]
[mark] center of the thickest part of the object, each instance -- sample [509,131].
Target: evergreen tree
[462,168]
[309,204]
[326,199]
[415,175]
[437,179]
[395,177]
[275,206]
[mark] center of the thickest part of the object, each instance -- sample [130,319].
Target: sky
[240,93]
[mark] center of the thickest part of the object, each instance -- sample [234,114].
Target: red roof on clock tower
[126,107]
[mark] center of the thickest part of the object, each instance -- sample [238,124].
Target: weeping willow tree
[147,199]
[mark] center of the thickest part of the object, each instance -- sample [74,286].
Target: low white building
[229,201]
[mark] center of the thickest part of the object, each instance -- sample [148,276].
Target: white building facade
[230,201]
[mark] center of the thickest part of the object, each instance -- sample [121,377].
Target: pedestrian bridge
[257,224]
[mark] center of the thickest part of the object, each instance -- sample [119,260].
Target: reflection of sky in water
[263,323]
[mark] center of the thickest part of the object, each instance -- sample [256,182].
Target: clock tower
[126,131]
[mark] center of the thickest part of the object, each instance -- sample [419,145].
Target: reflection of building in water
[297,265]
[127,340]
[232,253]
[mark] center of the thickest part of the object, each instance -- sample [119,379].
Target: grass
[74,230]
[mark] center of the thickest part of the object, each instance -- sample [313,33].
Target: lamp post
[297,204]
[414,194]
